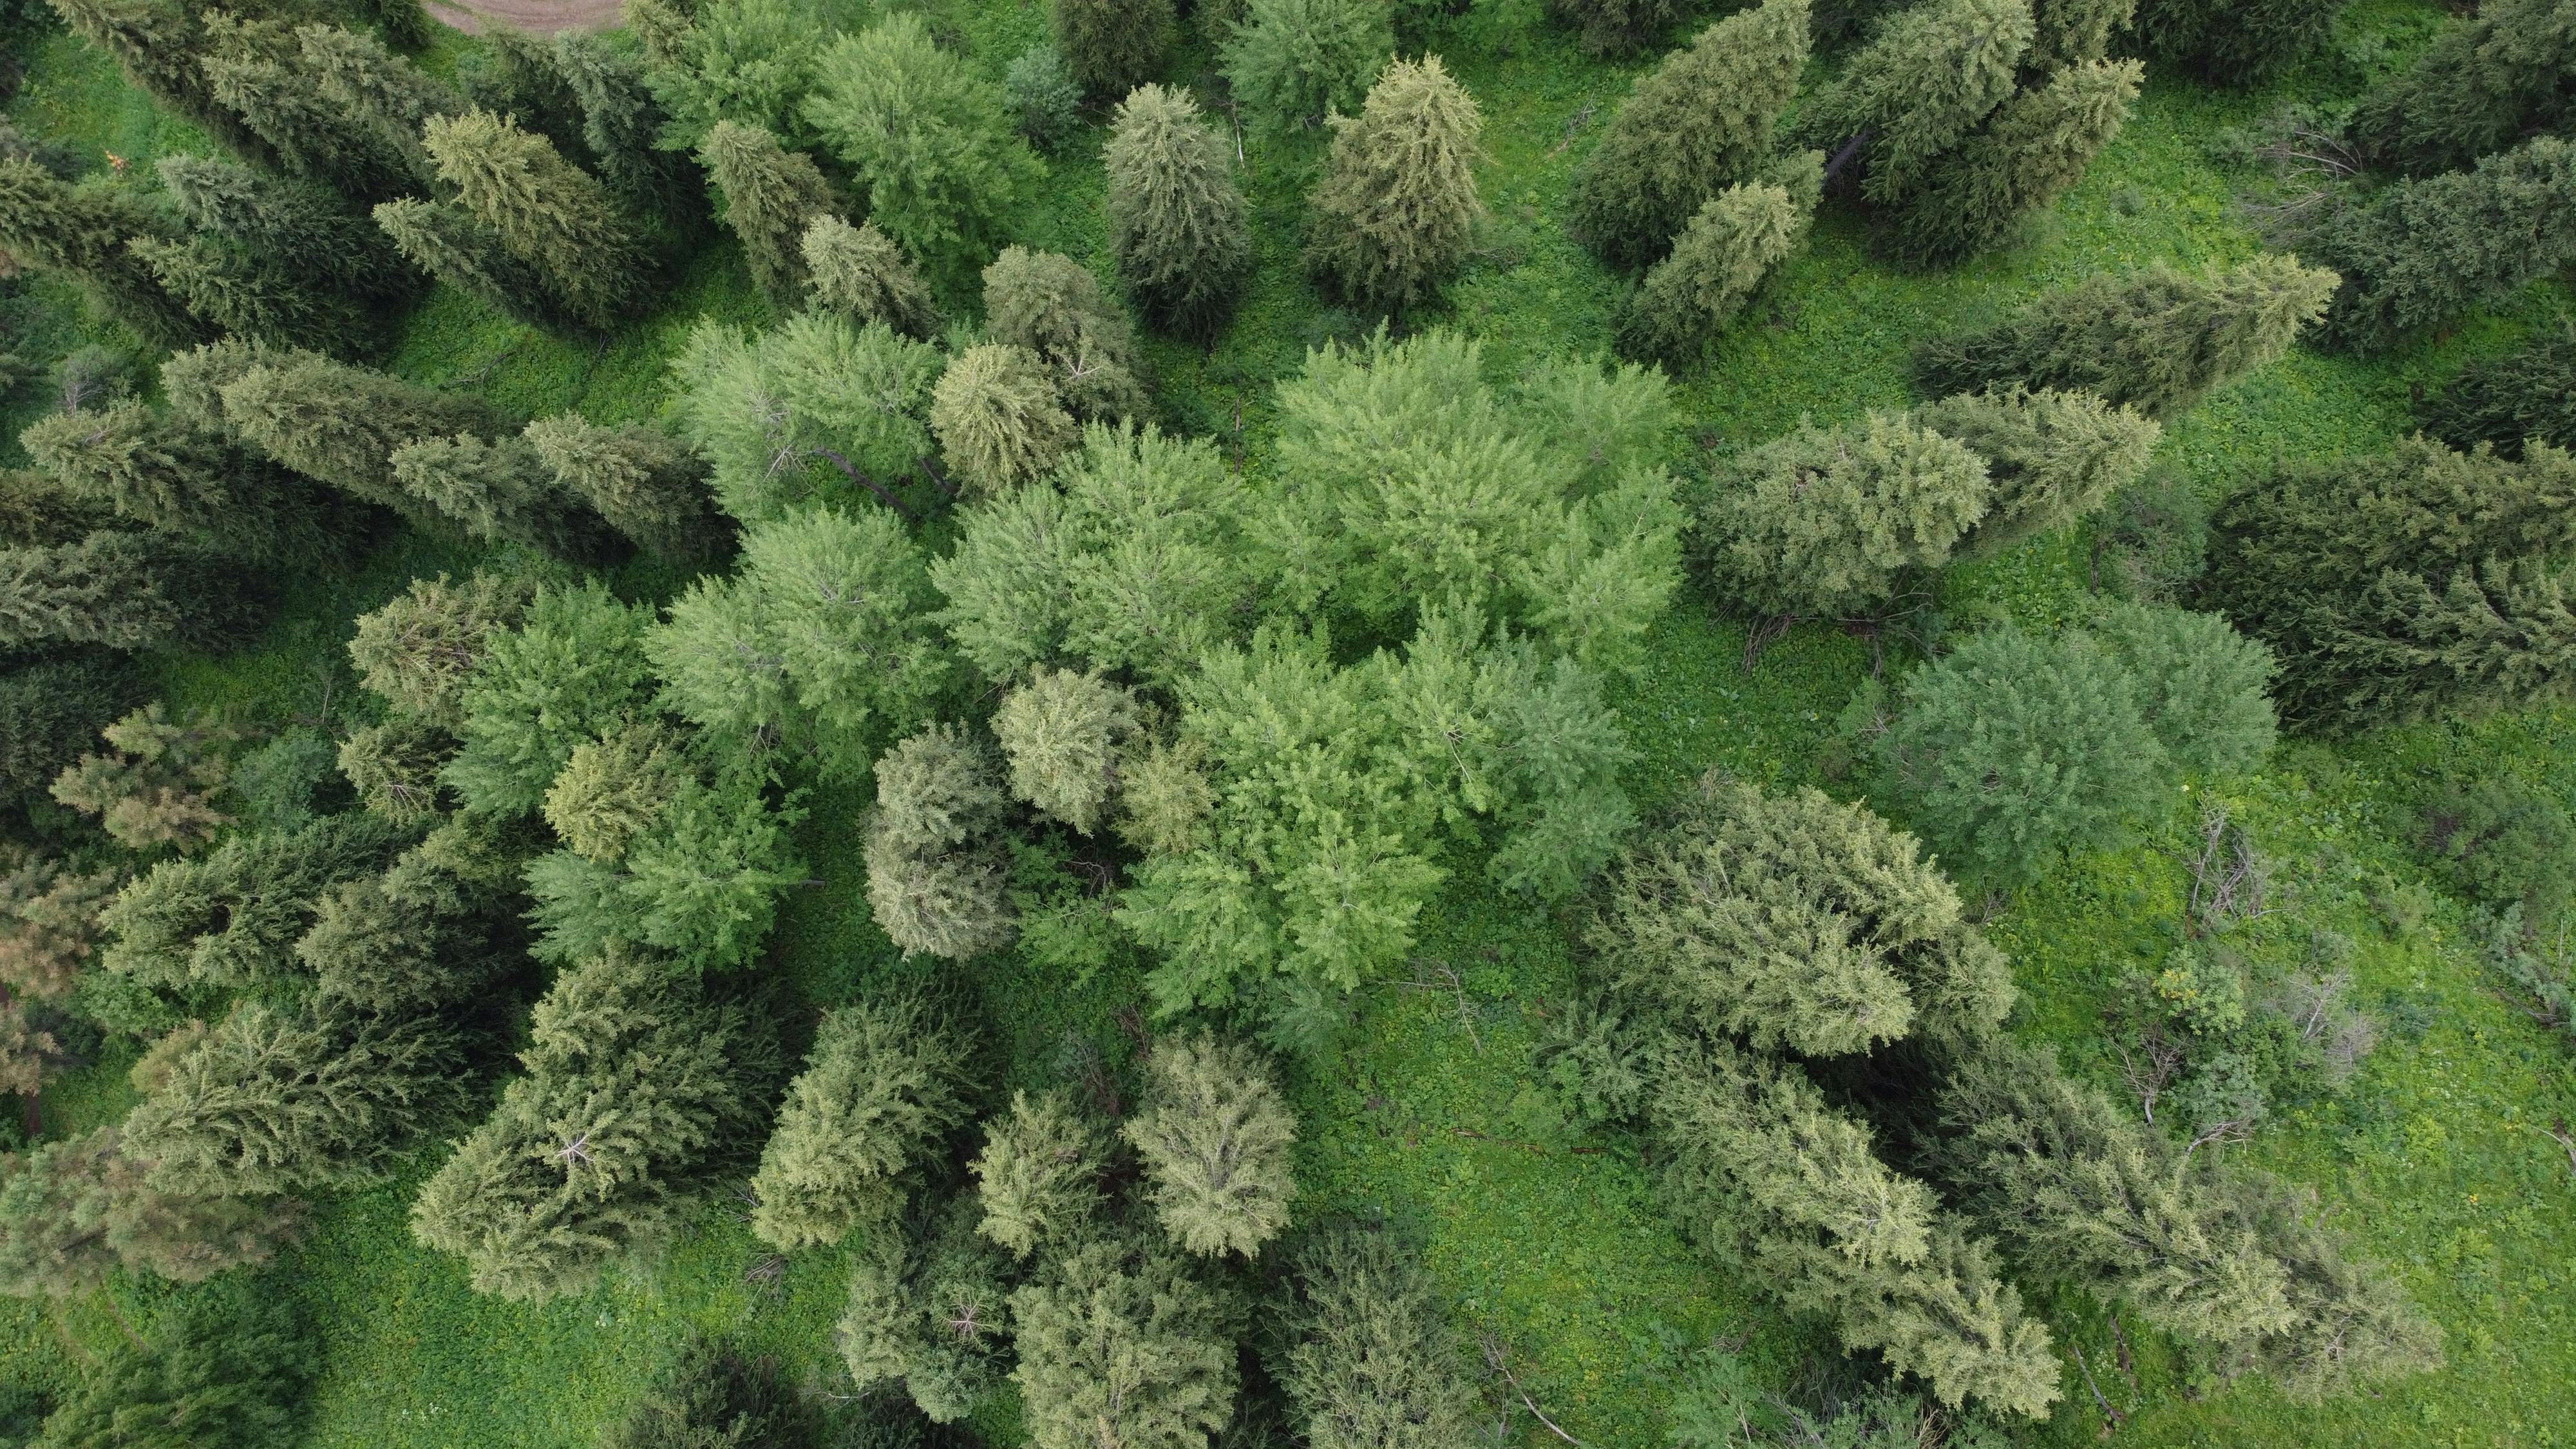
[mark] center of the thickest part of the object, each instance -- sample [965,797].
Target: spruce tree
[1718,263]
[82,231]
[2053,458]
[621,125]
[1617,27]
[1916,91]
[2232,42]
[122,590]
[159,45]
[2157,341]
[1063,734]
[1375,1364]
[497,492]
[73,1209]
[246,297]
[931,1310]
[999,418]
[2405,584]
[1052,306]
[859,273]
[153,469]
[418,652]
[341,425]
[1695,125]
[394,768]
[2202,687]
[513,74]
[709,1397]
[49,925]
[217,1378]
[884,1083]
[615,789]
[2075,32]
[575,668]
[1293,63]
[1177,219]
[231,917]
[52,707]
[1398,199]
[312,138]
[1112,46]
[1119,1344]
[441,239]
[157,785]
[2529,392]
[1038,1175]
[813,411]
[641,480]
[386,93]
[933,884]
[552,216]
[771,196]
[298,228]
[2484,83]
[2033,150]
[1214,1137]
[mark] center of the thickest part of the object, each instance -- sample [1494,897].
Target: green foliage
[1045,100]
[553,217]
[121,590]
[2503,843]
[1038,1175]
[640,480]
[49,925]
[497,492]
[621,125]
[378,89]
[1617,27]
[1295,63]
[1717,265]
[1375,1365]
[1177,220]
[513,76]
[701,883]
[1214,1137]
[298,229]
[1796,921]
[1112,46]
[419,652]
[576,667]
[814,411]
[2200,683]
[933,882]
[1693,127]
[212,1378]
[394,767]
[73,1209]
[1398,202]
[1052,307]
[2232,42]
[231,918]
[249,295]
[2401,584]
[2529,392]
[858,272]
[416,940]
[749,61]
[1063,734]
[340,425]
[160,46]
[311,138]
[2074,32]
[443,240]
[1920,87]
[930,1310]
[82,231]
[884,1083]
[51,709]
[636,1088]
[710,1397]
[821,645]
[1000,420]
[2032,150]
[614,789]
[928,139]
[1120,1345]
[2052,458]
[157,787]
[771,196]
[2484,83]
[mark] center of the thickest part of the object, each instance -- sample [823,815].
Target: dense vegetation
[1311,721]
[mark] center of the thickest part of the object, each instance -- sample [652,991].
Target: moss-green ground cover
[2438,1157]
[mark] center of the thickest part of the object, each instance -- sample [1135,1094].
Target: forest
[1365,724]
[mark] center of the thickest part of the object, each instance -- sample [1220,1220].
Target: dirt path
[538,17]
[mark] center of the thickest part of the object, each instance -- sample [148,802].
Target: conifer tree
[1176,217]
[929,140]
[1718,263]
[1295,62]
[1063,734]
[313,139]
[1693,126]
[2201,685]
[514,75]
[1112,46]
[999,418]
[771,196]
[574,669]
[550,215]
[933,1314]
[2052,457]
[615,789]
[700,881]
[813,411]
[1214,1138]
[2033,150]
[1831,524]
[193,380]
[621,125]
[49,925]
[341,425]
[418,652]
[2400,585]
[122,590]
[1398,198]
[641,480]
[82,231]
[394,767]
[636,1088]
[2157,341]
[439,238]
[884,1083]
[711,1396]
[1119,1345]
[1038,1176]
[159,45]
[157,786]
[2232,42]
[75,1208]
[2484,83]
[155,470]
[301,229]
[933,886]
[858,272]
[1617,27]
[1052,306]
[230,917]
[386,93]
[2529,392]
[1375,1364]
[1918,89]
[244,297]
[52,707]
[219,1378]
[498,492]
[2075,32]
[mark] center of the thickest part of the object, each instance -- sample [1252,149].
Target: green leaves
[575,669]
[816,410]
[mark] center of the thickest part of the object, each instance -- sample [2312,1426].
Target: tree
[1177,219]
[160,46]
[312,139]
[1833,524]
[700,883]
[2034,149]
[1692,127]
[394,768]
[2157,341]
[575,668]
[383,91]
[1112,47]
[999,418]
[120,590]
[82,231]
[1053,307]
[1120,1346]
[2052,458]
[622,122]
[930,1309]
[1375,1364]
[49,925]
[771,196]
[214,1378]
[341,425]
[1046,102]
[513,75]
[417,939]
[1214,1138]
[822,644]
[885,1082]
[441,239]
[615,789]
[419,652]
[814,411]
[1038,1175]
[860,273]
[1717,265]
[752,61]
[1920,87]
[1796,921]
[300,228]
[154,469]
[2075,32]
[927,138]
[636,1086]
[2399,585]
[1398,197]
[158,786]
[2502,400]
[231,917]
[1617,27]
[643,482]
[2483,84]
[1063,734]
[75,1208]
[1296,62]
[2232,42]
[2201,685]
[2018,747]
[710,1396]
[931,885]
[497,492]
[51,710]
[552,216]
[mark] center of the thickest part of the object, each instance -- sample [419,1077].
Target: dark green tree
[1294,62]
[231,918]
[1375,1364]
[154,469]
[929,1309]
[1719,263]
[1398,197]
[645,483]
[621,125]
[385,92]
[513,74]
[74,1209]
[341,425]
[711,1397]
[245,297]
[213,1378]
[1177,219]
[52,706]
[2529,392]
[1120,1345]
[1214,1137]
[1110,46]
[771,196]
[419,652]
[859,273]
[160,46]
[574,669]
[122,590]
[884,1083]
[1053,307]
[312,138]
[2497,76]
[1904,104]
[497,492]
[2232,42]
[82,231]
[2052,458]
[299,228]
[2073,32]
[1617,27]
[551,215]
[439,238]
[2034,149]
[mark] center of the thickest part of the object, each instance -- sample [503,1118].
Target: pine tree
[1063,734]
[2157,341]
[230,917]
[300,229]
[49,925]
[2396,586]
[157,788]
[155,470]
[1038,1176]
[621,125]
[2502,400]
[1617,27]
[121,590]
[2202,687]
[2498,75]
[999,419]
[219,1378]
[384,92]
[2232,42]
[2053,458]
[497,492]
[1693,126]
[312,138]
[550,215]
[1119,1345]
[636,1088]
[418,652]
[159,45]
[1112,46]
[341,425]
[710,1396]
[1214,1138]
[928,139]
[1295,62]
[1375,1364]
[1832,524]
[813,411]
[615,789]
[440,239]
[933,1314]
[771,196]
[884,1083]
[1398,199]
[858,272]
[2420,253]
[932,885]
[573,670]
[1052,306]
[821,644]
[82,232]
[2075,32]
[1177,220]
[1717,265]
[73,1209]
[1918,89]
[641,480]
[2033,150]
